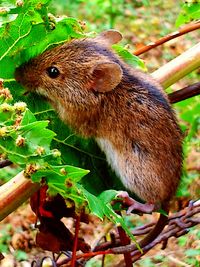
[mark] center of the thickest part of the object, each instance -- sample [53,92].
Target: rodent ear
[109,37]
[106,76]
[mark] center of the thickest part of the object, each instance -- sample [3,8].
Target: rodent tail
[162,221]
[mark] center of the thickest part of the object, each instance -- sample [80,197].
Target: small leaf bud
[6,107]
[20,107]
[3,131]
[20,141]
[63,171]
[40,150]
[56,153]
[5,93]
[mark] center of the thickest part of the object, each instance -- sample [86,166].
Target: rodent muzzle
[26,77]
[18,75]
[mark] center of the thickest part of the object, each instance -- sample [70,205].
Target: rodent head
[74,72]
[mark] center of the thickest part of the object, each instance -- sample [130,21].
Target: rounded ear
[109,37]
[106,76]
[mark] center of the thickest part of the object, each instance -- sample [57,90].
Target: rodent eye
[53,72]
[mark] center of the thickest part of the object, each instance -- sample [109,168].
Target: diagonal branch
[185,93]
[14,193]
[179,67]
[5,163]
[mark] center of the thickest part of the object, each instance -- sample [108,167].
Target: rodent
[124,110]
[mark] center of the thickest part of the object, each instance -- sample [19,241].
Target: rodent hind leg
[134,205]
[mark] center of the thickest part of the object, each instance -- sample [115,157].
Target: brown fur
[135,116]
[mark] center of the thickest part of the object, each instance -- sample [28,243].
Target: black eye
[53,72]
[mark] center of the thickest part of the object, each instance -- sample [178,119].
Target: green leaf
[95,205]
[28,118]
[37,134]
[118,220]
[21,255]
[59,174]
[100,206]
[108,195]
[129,57]
[190,11]
[30,33]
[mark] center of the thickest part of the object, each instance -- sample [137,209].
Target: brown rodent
[125,110]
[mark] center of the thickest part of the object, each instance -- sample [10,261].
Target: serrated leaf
[54,174]
[28,118]
[37,134]
[30,33]
[95,205]
[118,220]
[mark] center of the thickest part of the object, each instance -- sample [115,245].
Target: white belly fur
[114,159]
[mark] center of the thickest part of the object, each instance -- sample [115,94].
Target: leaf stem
[44,111]
[78,149]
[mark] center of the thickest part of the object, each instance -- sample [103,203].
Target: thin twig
[77,228]
[184,30]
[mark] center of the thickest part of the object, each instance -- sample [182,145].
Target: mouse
[125,110]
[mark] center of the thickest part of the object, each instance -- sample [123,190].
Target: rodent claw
[134,205]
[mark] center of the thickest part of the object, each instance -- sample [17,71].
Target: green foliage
[5,239]
[189,111]
[21,143]
[192,257]
[190,11]
[107,13]
[191,253]
[131,59]
[30,33]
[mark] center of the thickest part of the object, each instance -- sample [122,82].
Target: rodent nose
[18,74]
